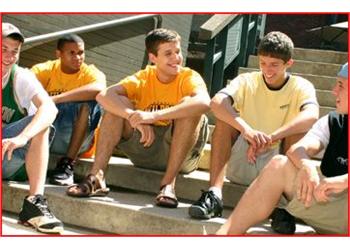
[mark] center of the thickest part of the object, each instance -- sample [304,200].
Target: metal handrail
[40,39]
[215,25]
[215,32]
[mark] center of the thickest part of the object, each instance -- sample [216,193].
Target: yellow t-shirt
[267,110]
[56,82]
[149,94]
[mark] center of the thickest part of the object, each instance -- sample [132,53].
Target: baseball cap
[9,29]
[343,71]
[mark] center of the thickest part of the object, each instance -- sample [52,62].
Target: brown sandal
[89,187]
[167,197]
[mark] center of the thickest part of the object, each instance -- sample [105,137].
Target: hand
[257,138]
[142,117]
[307,180]
[10,144]
[328,186]
[251,154]
[147,134]
[254,152]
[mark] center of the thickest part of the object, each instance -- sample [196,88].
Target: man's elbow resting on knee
[100,98]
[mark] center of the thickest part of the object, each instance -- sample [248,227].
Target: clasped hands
[258,142]
[142,121]
[309,185]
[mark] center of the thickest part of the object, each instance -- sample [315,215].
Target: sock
[31,198]
[217,191]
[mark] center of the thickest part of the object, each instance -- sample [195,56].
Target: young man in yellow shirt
[316,193]
[258,115]
[73,86]
[156,117]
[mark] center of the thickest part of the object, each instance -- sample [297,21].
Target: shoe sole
[198,213]
[67,182]
[55,230]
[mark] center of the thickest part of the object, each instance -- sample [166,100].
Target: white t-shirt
[320,131]
[26,86]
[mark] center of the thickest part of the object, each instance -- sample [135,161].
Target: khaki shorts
[156,156]
[326,218]
[239,170]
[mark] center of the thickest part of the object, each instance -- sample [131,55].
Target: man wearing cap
[27,113]
[317,193]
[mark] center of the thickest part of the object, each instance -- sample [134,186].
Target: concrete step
[122,173]
[305,67]
[325,56]
[10,226]
[125,212]
[320,82]
[195,58]
[325,98]
[325,110]
[122,212]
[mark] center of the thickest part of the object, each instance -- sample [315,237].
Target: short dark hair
[70,38]
[16,37]
[276,44]
[158,36]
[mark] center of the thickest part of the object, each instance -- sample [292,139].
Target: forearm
[114,103]
[300,155]
[192,106]
[83,93]
[42,119]
[340,182]
[223,111]
[300,124]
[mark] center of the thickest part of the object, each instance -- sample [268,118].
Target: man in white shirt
[27,113]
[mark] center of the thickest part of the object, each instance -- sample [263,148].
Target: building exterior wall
[298,26]
[117,51]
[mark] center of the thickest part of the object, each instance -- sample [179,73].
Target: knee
[41,136]
[45,132]
[277,163]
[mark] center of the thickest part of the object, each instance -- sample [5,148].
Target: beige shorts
[325,218]
[156,156]
[239,170]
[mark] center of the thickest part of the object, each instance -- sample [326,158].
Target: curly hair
[276,44]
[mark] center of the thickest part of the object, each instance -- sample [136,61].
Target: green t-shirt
[11,109]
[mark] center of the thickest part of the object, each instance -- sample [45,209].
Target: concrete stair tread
[121,212]
[122,173]
[125,212]
[10,226]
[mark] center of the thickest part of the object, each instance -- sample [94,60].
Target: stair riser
[325,56]
[127,176]
[305,67]
[107,217]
